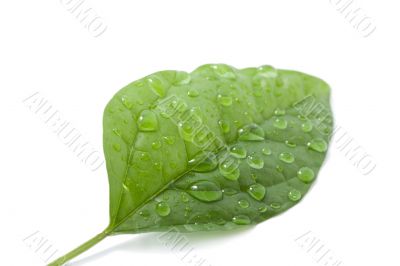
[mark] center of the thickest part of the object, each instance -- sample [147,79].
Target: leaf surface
[213,149]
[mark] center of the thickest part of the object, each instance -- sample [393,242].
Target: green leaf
[215,149]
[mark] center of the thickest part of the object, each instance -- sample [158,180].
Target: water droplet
[156,85]
[279,111]
[307,126]
[186,131]
[305,174]
[145,214]
[279,168]
[280,123]
[224,126]
[205,191]
[263,208]
[128,104]
[144,156]
[182,78]
[184,197]
[257,191]
[318,145]
[255,161]
[117,147]
[203,162]
[290,144]
[241,220]
[117,132]
[147,121]
[266,151]
[238,151]
[229,191]
[267,71]
[163,209]
[193,92]
[243,203]
[157,165]
[294,195]
[224,100]
[169,139]
[156,145]
[275,205]
[302,117]
[229,168]
[286,157]
[224,71]
[252,132]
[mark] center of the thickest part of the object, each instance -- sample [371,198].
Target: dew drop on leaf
[294,195]
[318,145]
[224,100]
[255,161]
[117,147]
[307,126]
[147,121]
[279,111]
[305,174]
[224,126]
[290,143]
[241,220]
[266,151]
[280,123]
[205,191]
[156,145]
[163,209]
[252,132]
[203,162]
[243,203]
[286,157]
[156,85]
[229,168]
[193,92]
[257,191]
[238,151]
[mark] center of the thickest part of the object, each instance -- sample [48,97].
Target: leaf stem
[82,248]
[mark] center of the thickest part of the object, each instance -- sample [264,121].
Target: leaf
[215,149]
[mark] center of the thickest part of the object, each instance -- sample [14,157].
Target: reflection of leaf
[215,149]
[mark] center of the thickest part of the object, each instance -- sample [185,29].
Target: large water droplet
[127,103]
[307,126]
[224,100]
[294,195]
[193,92]
[182,78]
[279,111]
[163,209]
[117,147]
[186,130]
[280,123]
[257,191]
[156,145]
[203,162]
[286,157]
[290,143]
[255,161]
[147,121]
[156,85]
[266,151]
[252,132]
[241,220]
[318,145]
[205,191]
[169,139]
[224,126]
[117,132]
[243,203]
[229,168]
[238,151]
[305,174]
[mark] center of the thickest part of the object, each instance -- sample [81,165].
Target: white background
[47,191]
